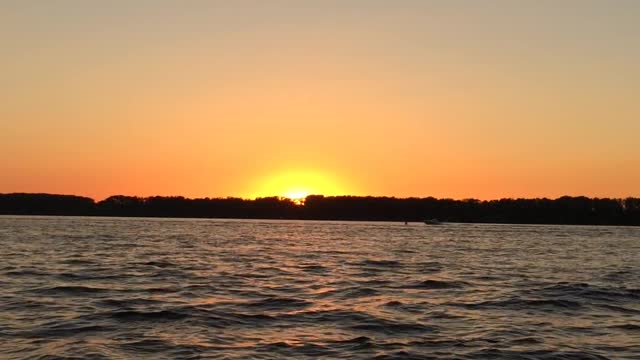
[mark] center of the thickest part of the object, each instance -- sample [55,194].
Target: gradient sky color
[483,99]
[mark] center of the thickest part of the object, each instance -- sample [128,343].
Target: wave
[493,353]
[79,262]
[357,343]
[631,327]
[428,267]
[380,263]
[26,272]
[518,303]
[351,292]
[129,302]
[153,347]
[403,355]
[65,330]
[160,264]
[314,269]
[388,327]
[81,277]
[358,321]
[159,315]
[70,290]
[437,285]
[588,291]
[148,345]
[618,308]
[279,303]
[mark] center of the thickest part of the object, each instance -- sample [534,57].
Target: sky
[458,99]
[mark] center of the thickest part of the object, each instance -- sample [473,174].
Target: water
[97,288]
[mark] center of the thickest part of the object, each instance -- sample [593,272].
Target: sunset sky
[483,99]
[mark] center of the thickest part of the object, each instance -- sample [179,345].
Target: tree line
[563,210]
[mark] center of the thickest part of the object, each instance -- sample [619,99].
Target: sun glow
[296,194]
[297,185]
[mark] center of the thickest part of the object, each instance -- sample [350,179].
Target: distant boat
[432,222]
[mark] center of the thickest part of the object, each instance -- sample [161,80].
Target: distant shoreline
[399,223]
[565,210]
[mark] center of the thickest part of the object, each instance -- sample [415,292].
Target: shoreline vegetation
[567,210]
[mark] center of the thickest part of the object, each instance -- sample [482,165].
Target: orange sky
[406,98]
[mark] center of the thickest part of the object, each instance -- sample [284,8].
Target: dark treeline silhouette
[564,210]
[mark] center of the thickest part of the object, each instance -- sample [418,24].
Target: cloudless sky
[483,99]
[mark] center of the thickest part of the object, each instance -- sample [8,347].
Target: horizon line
[280,197]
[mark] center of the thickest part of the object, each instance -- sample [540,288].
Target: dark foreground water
[97,288]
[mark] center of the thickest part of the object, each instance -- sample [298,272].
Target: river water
[111,288]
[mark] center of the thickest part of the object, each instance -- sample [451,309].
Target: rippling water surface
[98,288]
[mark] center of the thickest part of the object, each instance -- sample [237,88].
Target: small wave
[148,345]
[18,305]
[158,346]
[314,269]
[618,275]
[360,340]
[160,290]
[359,292]
[328,316]
[443,315]
[65,330]
[429,267]
[360,343]
[493,353]
[168,273]
[390,327]
[133,315]
[26,272]
[393,303]
[633,327]
[78,262]
[526,341]
[350,292]
[402,355]
[410,308]
[294,350]
[218,319]
[82,277]
[70,290]
[380,263]
[441,343]
[160,264]
[374,282]
[618,308]
[488,278]
[584,290]
[279,303]
[523,304]
[359,321]
[257,275]
[437,285]
[126,303]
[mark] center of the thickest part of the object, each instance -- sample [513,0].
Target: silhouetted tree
[564,210]
[45,204]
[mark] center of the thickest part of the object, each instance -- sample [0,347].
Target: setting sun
[297,194]
[298,184]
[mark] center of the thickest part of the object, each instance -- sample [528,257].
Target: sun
[296,195]
[297,185]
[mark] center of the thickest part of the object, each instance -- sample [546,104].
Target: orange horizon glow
[296,185]
[482,100]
